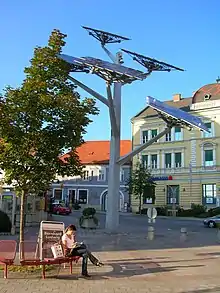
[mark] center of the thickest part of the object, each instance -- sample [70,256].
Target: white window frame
[58,189]
[169,134]
[147,162]
[212,164]
[103,170]
[206,134]
[142,140]
[181,158]
[181,133]
[151,163]
[68,190]
[165,167]
[122,175]
[155,135]
[204,147]
[86,178]
[87,196]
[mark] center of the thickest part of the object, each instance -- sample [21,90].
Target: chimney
[177,97]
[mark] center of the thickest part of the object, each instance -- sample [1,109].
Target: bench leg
[5,271]
[71,267]
[43,272]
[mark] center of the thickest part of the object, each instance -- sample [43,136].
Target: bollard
[183,234]
[150,234]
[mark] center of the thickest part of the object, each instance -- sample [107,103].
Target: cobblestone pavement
[174,270]
[133,263]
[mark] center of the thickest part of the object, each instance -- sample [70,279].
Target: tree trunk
[140,199]
[22,224]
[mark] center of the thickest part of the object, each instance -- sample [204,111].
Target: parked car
[212,222]
[60,209]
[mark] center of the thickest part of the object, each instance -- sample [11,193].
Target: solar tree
[115,76]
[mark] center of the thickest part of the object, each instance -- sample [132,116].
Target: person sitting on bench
[73,248]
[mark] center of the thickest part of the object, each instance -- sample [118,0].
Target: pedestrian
[73,248]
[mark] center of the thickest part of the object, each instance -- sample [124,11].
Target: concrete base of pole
[183,234]
[150,233]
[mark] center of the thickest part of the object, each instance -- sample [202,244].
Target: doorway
[104,201]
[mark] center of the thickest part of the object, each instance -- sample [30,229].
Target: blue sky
[184,33]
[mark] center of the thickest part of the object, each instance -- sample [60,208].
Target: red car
[61,210]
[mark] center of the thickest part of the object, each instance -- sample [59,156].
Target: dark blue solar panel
[177,114]
[114,67]
[104,65]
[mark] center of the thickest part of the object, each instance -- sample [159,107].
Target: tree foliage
[41,120]
[139,183]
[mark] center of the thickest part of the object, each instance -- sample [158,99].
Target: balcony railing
[184,170]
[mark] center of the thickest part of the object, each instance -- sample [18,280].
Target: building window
[208,158]
[83,196]
[85,175]
[177,133]
[145,136]
[209,193]
[153,133]
[173,194]
[101,176]
[149,195]
[154,161]
[178,161]
[210,127]
[72,196]
[145,161]
[122,175]
[168,160]
[168,136]
[57,194]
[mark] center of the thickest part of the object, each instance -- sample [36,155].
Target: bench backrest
[28,250]
[8,249]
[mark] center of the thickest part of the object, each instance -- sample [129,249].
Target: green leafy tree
[41,120]
[140,183]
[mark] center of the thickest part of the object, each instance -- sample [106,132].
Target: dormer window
[207,97]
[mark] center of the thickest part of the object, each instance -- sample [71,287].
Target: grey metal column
[113,199]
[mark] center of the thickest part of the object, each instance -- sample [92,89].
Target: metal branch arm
[110,55]
[90,91]
[130,155]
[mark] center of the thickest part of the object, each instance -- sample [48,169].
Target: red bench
[31,257]
[8,250]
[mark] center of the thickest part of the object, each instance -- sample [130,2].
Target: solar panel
[105,37]
[76,63]
[120,69]
[106,70]
[180,116]
[150,63]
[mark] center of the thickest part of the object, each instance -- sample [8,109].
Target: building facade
[184,164]
[92,188]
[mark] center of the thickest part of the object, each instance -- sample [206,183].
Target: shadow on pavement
[211,290]
[136,269]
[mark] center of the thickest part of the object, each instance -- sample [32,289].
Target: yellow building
[184,164]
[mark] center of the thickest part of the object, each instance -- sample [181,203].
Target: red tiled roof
[98,151]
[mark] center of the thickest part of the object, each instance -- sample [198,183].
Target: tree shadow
[125,270]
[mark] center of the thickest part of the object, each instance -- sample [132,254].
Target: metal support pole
[112,213]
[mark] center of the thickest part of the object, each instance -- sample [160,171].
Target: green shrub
[89,212]
[214,212]
[5,223]
[198,209]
